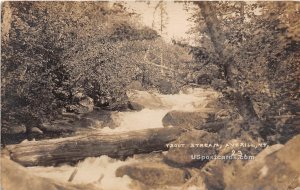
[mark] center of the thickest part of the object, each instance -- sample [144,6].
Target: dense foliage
[252,50]
[53,51]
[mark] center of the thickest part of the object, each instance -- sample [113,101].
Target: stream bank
[171,168]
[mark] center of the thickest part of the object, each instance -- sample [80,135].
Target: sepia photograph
[150,95]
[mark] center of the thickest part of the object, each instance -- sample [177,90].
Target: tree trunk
[6,19]
[73,149]
[226,62]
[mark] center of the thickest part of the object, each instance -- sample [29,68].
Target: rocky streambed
[194,160]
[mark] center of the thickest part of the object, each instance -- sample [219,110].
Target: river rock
[135,106]
[278,169]
[98,119]
[154,174]
[189,120]
[145,99]
[216,172]
[37,131]
[15,176]
[186,155]
[73,123]
[57,128]
[195,183]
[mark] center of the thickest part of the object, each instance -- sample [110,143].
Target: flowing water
[100,171]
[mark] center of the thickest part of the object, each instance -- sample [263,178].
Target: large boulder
[190,120]
[184,119]
[57,128]
[278,169]
[154,174]
[144,99]
[195,183]
[217,172]
[135,106]
[71,123]
[36,131]
[189,148]
[98,119]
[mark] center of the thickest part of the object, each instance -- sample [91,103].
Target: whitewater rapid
[100,171]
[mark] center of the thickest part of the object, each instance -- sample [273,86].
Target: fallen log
[73,149]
